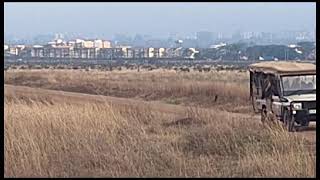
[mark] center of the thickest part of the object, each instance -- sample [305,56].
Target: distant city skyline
[158,20]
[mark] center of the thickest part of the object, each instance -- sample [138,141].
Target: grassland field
[161,123]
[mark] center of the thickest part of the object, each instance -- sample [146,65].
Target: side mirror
[283,99]
[279,99]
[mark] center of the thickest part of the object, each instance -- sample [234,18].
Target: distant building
[162,52]
[78,43]
[247,35]
[98,43]
[71,43]
[174,52]
[150,52]
[122,51]
[59,41]
[21,47]
[88,44]
[190,53]
[37,51]
[79,40]
[16,50]
[106,44]
[13,50]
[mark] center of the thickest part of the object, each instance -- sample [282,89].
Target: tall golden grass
[101,140]
[194,88]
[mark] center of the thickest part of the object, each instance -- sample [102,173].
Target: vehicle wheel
[288,121]
[263,115]
[305,122]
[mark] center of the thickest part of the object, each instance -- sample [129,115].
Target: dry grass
[194,88]
[95,140]
[44,138]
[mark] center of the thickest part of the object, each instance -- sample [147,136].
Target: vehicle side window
[270,86]
[256,80]
[256,83]
[275,86]
[264,85]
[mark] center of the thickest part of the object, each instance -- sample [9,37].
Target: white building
[162,52]
[21,47]
[88,44]
[71,43]
[13,50]
[191,52]
[36,51]
[106,44]
[150,52]
[98,43]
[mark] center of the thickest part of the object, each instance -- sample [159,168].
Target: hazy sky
[157,19]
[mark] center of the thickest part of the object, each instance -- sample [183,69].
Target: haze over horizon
[156,19]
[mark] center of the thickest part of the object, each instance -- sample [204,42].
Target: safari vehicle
[286,90]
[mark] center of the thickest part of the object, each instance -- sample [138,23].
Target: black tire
[263,115]
[288,121]
[305,123]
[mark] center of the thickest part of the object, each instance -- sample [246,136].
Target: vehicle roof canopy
[283,67]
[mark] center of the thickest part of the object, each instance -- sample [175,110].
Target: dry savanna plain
[160,123]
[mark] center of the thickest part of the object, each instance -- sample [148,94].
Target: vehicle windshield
[300,84]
